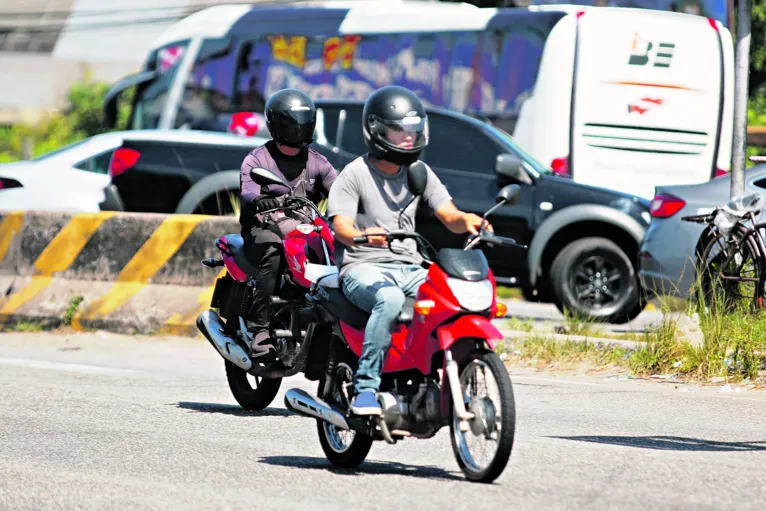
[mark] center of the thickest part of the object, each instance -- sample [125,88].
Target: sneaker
[365,403]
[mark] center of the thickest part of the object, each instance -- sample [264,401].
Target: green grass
[26,326]
[71,310]
[732,345]
[509,293]
[522,326]
[542,352]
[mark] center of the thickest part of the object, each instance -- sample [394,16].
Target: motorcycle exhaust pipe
[209,323]
[300,401]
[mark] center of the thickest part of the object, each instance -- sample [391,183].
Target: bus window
[463,70]
[520,53]
[151,97]
[209,89]
[368,62]
[251,75]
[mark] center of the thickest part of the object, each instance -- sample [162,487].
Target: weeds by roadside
[715,343]
[26,326]
[509,293]
[71,310]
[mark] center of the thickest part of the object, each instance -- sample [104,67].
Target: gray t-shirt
[374,199]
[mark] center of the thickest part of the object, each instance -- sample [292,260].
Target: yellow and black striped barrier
[128,272]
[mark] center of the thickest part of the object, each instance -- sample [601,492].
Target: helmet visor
[404,135]
[301,113]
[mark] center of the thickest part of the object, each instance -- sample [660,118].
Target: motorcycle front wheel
[494,422]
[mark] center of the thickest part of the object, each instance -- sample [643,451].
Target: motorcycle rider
[291,119]
[367,198]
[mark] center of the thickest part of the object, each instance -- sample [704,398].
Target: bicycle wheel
[730,270]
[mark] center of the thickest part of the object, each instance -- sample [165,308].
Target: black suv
[583,241]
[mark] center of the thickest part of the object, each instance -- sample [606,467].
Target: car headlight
[474,296]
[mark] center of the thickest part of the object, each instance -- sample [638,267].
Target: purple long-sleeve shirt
[314,182]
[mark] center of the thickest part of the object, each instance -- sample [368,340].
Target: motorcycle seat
[236,246]
[357,318]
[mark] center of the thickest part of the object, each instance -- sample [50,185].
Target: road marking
[57,256]
[62,366]
[158,249]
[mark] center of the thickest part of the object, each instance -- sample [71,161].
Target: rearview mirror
[510,166]
[509,195]
[265,177]
[417,178]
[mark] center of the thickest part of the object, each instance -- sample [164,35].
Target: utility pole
[741,76]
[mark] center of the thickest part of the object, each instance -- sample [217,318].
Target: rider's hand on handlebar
[265,203]
[473,222]
[378,241]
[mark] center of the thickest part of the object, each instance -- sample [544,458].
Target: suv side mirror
[510,166]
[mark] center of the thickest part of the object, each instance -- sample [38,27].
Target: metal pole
[741,75]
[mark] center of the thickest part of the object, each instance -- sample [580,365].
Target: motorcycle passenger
[291,119]
[367,198]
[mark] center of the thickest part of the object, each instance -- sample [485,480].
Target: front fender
[468,326]
[572,215]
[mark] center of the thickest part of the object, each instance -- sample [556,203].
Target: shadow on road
[234,410]
[671,443]
[368,467]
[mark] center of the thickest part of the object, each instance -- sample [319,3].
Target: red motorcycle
[225,325]
[441,356]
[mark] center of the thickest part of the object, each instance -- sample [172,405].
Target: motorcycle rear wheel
[249,398]
[340,451]
[502,429]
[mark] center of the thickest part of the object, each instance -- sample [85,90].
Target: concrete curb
[133,272]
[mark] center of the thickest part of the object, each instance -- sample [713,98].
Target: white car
[80,177]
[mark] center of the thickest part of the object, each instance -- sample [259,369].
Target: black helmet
[390,110]
[291,117]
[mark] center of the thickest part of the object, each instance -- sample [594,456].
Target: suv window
[330,119]
[98,163]
[457,145]
[353,140]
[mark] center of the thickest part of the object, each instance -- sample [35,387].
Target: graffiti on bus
[449,70]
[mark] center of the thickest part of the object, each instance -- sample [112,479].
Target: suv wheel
[593,277]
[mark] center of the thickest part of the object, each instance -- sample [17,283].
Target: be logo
[645,52]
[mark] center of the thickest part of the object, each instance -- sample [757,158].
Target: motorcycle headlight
[474,296]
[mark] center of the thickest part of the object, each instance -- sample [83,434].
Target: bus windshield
[151,97]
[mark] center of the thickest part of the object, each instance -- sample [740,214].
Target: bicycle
[735,230]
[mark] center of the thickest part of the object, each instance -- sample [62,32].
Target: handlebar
[492,239]
[292,203]
[700,219]
[484,237]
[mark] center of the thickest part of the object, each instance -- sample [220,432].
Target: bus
[625,99]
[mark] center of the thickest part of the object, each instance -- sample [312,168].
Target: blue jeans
[380,289]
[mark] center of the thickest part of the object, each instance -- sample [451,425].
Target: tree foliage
[79,119]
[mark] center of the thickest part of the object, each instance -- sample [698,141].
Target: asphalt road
[110,422]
